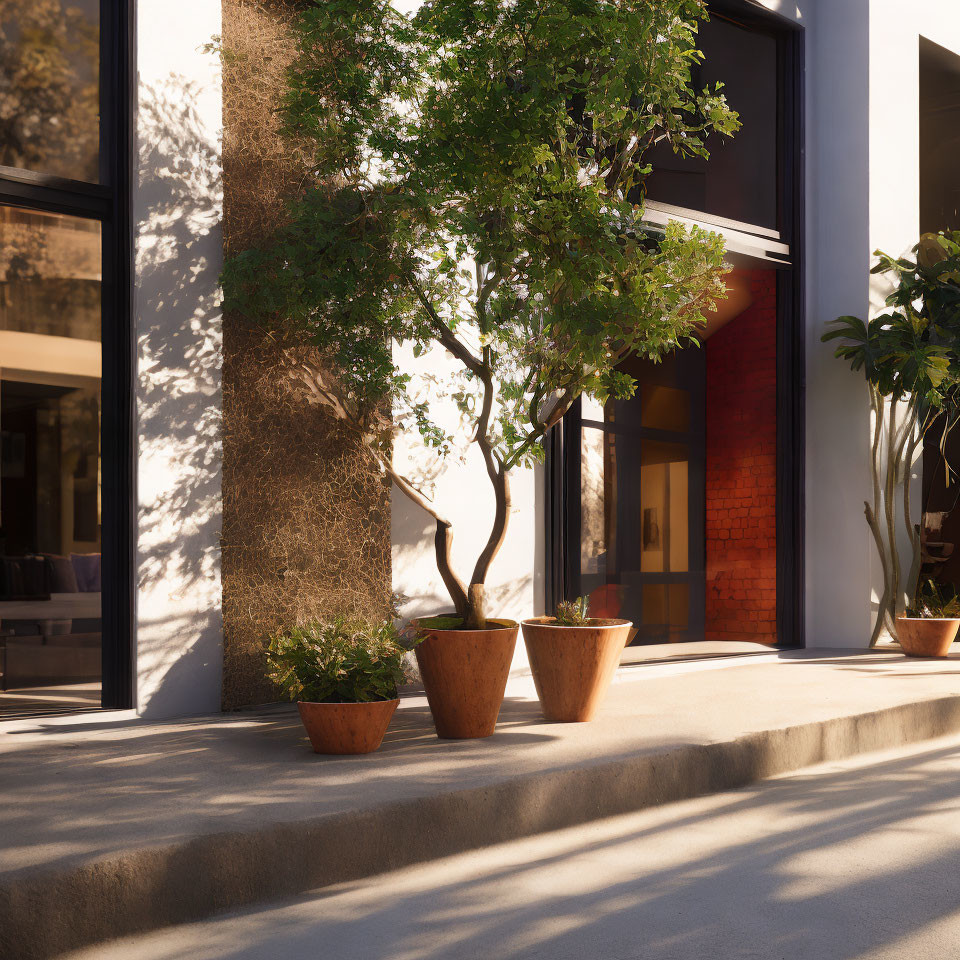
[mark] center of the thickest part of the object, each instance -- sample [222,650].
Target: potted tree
[929,625]
[343,676]
[573,658]
[910,357]
[478,191]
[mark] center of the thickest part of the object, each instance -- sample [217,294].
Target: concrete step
[811,864]
[113,829]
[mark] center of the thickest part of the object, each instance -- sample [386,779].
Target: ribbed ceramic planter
[465,674]
[926,636]
[344,728]
[573,666]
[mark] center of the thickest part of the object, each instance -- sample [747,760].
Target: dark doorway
[676,512]
[741,445]
[940,210]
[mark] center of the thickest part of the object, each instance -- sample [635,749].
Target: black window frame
[562,467]
[109,202]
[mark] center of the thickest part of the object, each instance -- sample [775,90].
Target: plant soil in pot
[344,676]
[465,674]
[573,663]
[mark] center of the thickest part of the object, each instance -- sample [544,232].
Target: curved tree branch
[885,597]
[443,333]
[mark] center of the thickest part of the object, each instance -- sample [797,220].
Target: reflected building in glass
[51,294]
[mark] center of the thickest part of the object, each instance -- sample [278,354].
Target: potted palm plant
[477,195]
[909,356]
[343,676]
[573,657]
[929,626]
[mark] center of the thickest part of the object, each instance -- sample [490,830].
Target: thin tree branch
[443,538]
[885,597]
[877,405]
[443,333]
[557,413]
[443,542]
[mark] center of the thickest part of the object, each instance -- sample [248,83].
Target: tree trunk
[476,618]
[477,596]
[471,602]
[458,594]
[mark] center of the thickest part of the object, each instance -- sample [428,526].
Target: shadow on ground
[857,862]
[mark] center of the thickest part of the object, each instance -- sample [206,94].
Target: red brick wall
[741,480]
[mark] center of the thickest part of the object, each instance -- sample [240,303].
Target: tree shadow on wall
[178,325]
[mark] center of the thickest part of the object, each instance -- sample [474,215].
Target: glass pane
[50,502]
[664,408]
[50,271]
[939,138]
[49,87]
[740,179]
[664,507]
[593,515]
[665,606]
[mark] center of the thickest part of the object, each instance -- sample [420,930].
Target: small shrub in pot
[344,677]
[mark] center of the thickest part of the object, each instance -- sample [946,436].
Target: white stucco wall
[178,248]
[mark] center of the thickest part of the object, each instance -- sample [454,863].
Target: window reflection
[50,460]
[663,507]
[49,87]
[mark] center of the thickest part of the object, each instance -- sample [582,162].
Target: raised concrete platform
[854,858]
[112,827]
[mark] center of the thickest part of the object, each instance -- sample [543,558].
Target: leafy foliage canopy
[479,185]
[912,352]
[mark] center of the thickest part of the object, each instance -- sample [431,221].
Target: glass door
[642,501]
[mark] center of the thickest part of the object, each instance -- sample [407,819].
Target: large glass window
[679,508]
[739,181]
[641,500]
[61,273]
[50,472]
[939,138]
[49,87]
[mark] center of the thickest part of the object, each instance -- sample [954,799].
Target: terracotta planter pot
[346,727]
[926,636]
[465,674]
[573,666]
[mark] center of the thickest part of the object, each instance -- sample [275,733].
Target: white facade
[863,193]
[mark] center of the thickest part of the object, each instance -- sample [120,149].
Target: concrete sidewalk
[109,828]
[850,859]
